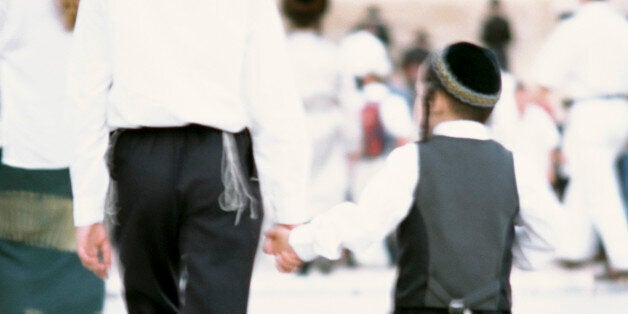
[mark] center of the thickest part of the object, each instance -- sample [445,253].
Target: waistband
[191,126]
[237,195]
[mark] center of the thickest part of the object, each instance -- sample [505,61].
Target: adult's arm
[277,120]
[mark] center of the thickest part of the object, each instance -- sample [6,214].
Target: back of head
[469,76]
[304,13]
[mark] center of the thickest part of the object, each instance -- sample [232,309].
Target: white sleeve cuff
[290,212]
[88,210]
[302,242]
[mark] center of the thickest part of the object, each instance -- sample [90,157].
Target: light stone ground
[368,290]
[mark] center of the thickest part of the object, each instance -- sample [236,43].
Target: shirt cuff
[290,213]
[88,211]
[302,242]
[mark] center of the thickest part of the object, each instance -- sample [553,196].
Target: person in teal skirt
[39,269]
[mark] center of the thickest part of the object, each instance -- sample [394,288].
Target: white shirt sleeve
[89,79]
[534,238]
[277,120]
[553,61]
[383,204]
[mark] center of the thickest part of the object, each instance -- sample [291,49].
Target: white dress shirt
[387,200]
[586,55]
[36,130]
[155,63]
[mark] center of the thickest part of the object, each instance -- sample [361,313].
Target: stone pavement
[368,290]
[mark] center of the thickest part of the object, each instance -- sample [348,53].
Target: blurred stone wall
[453,20]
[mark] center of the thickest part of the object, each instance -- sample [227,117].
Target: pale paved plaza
[367,290]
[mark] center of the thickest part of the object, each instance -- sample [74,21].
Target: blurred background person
[317,77]
[530,133]
[496,33]
[374,23]
[585,58]
[39,269]
[378,120]
[412,59]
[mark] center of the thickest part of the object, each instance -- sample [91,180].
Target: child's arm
[383,204]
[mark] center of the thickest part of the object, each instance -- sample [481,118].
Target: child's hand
[276,243]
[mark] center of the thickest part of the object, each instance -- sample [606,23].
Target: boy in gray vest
[463,216]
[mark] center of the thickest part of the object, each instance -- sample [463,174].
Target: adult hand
[276,243]
[94,249]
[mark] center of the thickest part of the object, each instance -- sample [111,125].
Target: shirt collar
[463,129]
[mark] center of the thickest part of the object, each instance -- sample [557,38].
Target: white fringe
[237,194]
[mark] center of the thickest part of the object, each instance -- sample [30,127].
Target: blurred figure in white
[317,75]
[39,269]
[378,120]
[525,127]
[585,58]
[375,23]
[412,59]
[529,131]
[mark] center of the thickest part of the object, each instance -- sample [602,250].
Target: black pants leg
[168,183]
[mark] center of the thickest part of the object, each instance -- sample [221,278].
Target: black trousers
[168,219]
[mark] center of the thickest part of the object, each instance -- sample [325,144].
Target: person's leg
[218,254]
[146,222]
[578,242]
[607,207]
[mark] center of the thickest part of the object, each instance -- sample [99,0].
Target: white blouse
[36,131]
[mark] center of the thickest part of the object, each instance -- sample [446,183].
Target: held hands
[276,243]
[94,249]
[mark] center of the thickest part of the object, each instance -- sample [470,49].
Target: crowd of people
[525,120]
[166,152]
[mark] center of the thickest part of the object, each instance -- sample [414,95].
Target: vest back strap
[459,305]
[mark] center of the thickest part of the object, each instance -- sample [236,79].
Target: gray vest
[456,241]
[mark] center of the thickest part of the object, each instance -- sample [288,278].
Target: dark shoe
[613,276]
[572,264]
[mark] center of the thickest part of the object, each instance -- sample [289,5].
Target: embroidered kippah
[469,73]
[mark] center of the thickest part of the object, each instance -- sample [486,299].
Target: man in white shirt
[182,84]
[586,59]
[461,206]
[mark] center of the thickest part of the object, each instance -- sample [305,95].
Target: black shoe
[613,276]
[572,265]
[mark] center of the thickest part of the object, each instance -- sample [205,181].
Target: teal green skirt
[39,269]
